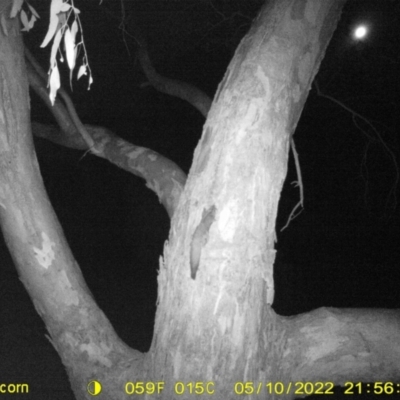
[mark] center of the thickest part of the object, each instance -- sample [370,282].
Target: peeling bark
[218,330]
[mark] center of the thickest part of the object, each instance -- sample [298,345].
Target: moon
[360,32]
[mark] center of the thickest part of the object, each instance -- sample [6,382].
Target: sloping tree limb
[77,328]
[183,90]
[162,175]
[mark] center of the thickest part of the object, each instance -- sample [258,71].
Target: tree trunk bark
[214,321]
[216,333]
[80,332]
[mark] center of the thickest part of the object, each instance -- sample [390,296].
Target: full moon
[360,32]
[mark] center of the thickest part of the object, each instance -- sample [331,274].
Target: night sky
[342,250]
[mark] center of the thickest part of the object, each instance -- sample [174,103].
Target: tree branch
[162,175]
[183,90]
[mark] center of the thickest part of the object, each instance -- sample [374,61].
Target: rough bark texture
[215,330]
[78,329]
[217,325]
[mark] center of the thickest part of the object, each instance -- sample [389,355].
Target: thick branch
[185,91]
[162,175]
[78,329]
[348,344]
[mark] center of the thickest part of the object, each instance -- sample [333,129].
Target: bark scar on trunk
[200,239]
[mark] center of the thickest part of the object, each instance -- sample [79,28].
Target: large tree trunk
[215,328]
[80,332]
[214,321]
[220,324]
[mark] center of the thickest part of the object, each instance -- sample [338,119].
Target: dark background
[342,251]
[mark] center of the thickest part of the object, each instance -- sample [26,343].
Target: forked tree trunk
[215,329]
